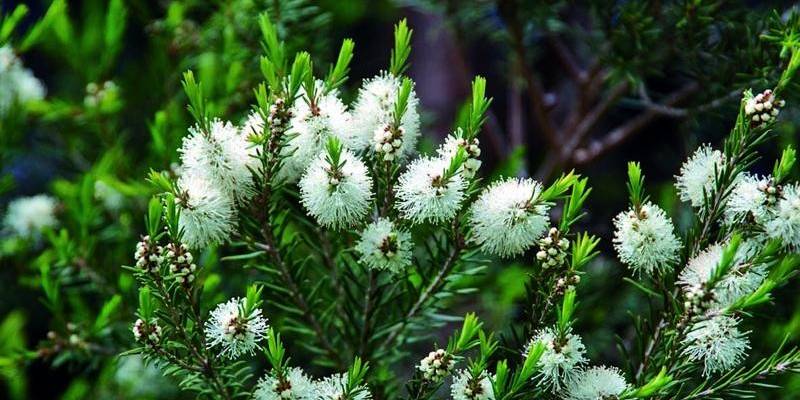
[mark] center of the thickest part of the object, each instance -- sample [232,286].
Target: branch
[618,135]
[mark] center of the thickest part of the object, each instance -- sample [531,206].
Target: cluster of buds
[283,388]
[279,116]
[146,332]
[388,140]
[436,365]
[552,249]
[763,108]
[472,163]
[564,284]
[771,190]
[96,94]
[180,260]
[147,255]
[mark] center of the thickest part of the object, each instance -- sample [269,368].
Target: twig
[618,135]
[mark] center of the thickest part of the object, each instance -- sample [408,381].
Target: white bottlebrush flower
[235,333]
[509,217]
[382,246]
[698,174]
[373,111]
[310,129]
[27,216]
[334,387]
[336,196]
[785,223]
[465,387]
[748,200]
[596,383]
[562,357]
[294,386]
[741,280]
[207,216]
[717,342]
[223,156]
[646,241]
[424,195]
[253,125]
[17,83]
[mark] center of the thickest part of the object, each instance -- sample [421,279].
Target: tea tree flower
[749,199]
[336,189]
[562,356]
[436,365]
[221,155]
[717,342]
[645,240]
[698,174]
[785,223]
[311,126]
[236,333]
[465,387]
[207,215]
[27,216]
[295,385]
[741,280]
[382,246]
[426,192]
[596,383]
[253,125]
[334,387]
[509,217]
[17,83]
[373,112]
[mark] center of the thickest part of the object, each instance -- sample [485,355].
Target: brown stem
[618,135]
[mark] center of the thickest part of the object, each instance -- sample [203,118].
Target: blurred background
[587,85]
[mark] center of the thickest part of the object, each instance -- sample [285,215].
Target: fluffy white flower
[382,246]
[310,129]
[337,196]
[748,199]
[741,280]
[785,223]
[222,155]
[562,357]
[717,342]
[509,217]
[646,241]
[596,383]
[253,125]
[698,174]
[17,83]
[373,111]
[234,332]
[207,216]
[333,388]
[295,386]
[27,216]
[464,387]
[423,195]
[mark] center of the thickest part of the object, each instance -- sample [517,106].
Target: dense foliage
[284,230]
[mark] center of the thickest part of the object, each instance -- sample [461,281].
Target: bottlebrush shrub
[352,242]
